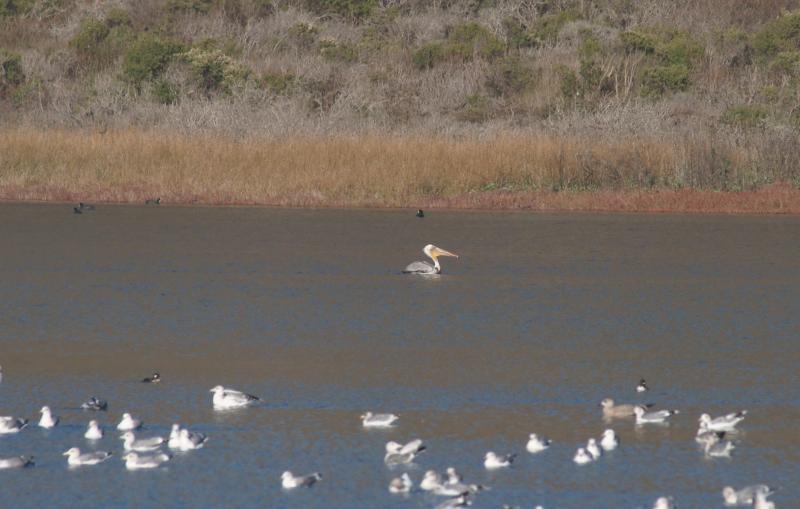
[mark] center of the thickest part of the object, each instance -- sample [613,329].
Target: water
[541,318]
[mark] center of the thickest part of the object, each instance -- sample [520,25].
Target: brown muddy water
[541,318]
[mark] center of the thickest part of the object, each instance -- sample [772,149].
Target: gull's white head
[366,415]
[729,494]
[704,419]
[126,416]
[639,411]
[607,403]
[72,452]
[217,389]
[286,475]
[609,433]
[45,410]
[93,423]
[128,435]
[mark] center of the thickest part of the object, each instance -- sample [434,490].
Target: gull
[593,449]
[400,484]
[290,481]
[229,398]
[95,404]
[611,410]
[414,446]
[582,457]
[723,423]
[453,477]
[399,458]
[744,496]
[609,441]
[128,423]
[492,460]
[761,502]
[454,485]
[93,431]
[142,445]
[174,441]
[370,420]
[76,459]
[16,462]
[536,444]
[664,503]
[190,440]
[152,379]
[642,387]
[430,481]
[659,416]
[48,420]
[459,501]
[12,424]
[719,449]
[134,461]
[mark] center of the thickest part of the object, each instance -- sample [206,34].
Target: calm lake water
[541,318]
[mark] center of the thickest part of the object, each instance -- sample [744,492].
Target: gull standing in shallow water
[76,459]
[433,253]
[48,420]
[16,462]
[12,424]
[370,420]
[128,423]
[744,496]
[93,431]
[400,484]
[657,417]
[290,481]
[536,444]
[134,461]
[229,398]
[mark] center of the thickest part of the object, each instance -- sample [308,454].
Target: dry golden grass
[542,173]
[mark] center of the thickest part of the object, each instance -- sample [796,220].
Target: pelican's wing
[419,268]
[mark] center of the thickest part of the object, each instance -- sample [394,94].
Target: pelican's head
[435,252]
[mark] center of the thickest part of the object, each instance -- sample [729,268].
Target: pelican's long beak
[441,252]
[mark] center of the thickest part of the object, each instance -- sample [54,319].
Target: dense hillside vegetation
[612,93]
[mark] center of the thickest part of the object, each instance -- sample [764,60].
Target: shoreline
[779,199]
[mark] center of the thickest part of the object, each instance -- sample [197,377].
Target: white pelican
[433,253]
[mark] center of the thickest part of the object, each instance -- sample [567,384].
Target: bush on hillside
[148,57]
[464,42]
[214,70]
[355,10]
[658,80]
[11,73]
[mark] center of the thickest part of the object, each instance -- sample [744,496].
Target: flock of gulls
[714,436]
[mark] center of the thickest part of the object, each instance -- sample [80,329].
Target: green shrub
[786,62]
[475,109]
[510,76]
[215,70]
[568,82]
[517,35]
[197,6]
[658,80]
[165,92]
[15,7]
[148,57]
[634,41]
[463,43]
[303,35]
[90,37]
[352,9]
[118,17]
[11,73]
[279,84]
[547,28]
[337,51]
[783,34]
[671,47]
[427,55]
[745,116]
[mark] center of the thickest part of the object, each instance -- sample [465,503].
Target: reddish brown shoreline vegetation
[536,172]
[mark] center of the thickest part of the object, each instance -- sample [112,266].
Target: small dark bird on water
[76,210]
[153,201]
[152,379]
[642,387]
[85,206]
[95,404]
[420,213]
